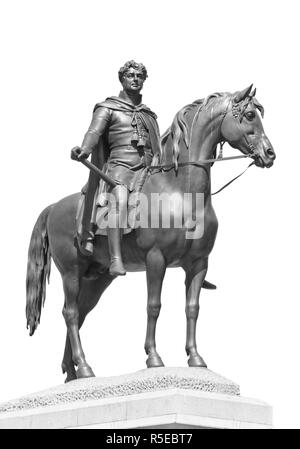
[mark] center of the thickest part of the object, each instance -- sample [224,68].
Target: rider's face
[133,81]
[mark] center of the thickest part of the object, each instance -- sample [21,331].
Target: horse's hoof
[70,377]
[154,361]
[70,370]
[196,361]
[84,371]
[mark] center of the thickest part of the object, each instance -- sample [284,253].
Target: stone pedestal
[173,398]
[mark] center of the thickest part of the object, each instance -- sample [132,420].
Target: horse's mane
[179,129]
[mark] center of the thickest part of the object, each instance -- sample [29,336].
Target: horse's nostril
[270,152]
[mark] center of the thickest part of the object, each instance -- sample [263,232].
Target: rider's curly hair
[134,65]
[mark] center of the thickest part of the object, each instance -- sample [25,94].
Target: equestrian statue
[130,160]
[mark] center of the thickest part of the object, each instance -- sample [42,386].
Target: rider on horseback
[123,134]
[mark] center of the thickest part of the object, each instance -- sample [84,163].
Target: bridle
[238,115]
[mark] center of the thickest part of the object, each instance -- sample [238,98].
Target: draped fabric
[142,116]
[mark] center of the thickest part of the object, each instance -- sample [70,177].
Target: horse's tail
[38,271]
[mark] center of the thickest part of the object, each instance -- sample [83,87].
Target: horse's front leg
[155,268]
[71,283]
[195,276]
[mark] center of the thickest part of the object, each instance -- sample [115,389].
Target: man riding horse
[123,135]
[128,131]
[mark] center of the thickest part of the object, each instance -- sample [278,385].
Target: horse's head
[242,128]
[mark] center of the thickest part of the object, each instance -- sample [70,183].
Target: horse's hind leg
[67,365]
[90,293]
[195,276]
[156,268]
[72,284]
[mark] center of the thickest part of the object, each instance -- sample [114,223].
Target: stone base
[173,398]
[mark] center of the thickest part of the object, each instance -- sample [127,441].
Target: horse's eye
[250,115]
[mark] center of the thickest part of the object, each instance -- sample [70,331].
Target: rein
[169,167]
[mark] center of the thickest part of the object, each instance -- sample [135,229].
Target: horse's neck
[204,133]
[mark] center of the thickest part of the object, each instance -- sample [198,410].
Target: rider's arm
[100,121]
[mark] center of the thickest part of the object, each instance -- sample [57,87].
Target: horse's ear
[253,93]
[242,94]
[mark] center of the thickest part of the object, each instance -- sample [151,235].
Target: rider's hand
[78,154]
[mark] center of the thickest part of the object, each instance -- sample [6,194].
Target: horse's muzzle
[265,157]
[263,162]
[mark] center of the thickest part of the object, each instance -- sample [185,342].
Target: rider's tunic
[130,138]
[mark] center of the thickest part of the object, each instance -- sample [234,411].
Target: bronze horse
[190,141]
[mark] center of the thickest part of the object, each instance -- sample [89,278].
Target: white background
[58,59]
